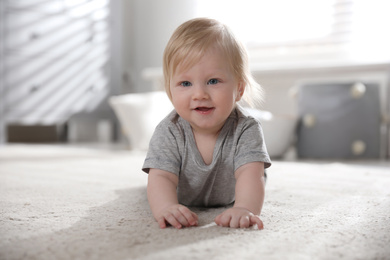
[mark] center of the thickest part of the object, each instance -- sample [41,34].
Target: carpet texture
[66,202]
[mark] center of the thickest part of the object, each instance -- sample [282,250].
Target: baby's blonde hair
[191,40]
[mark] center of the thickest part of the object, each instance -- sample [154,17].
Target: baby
[207,152]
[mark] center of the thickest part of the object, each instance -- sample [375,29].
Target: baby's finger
[217,219]
[180,218]
[171,219]
[234,222]
[190,217]
[161,222]
[244,222]
[195,217]
[225,220]
[255,220]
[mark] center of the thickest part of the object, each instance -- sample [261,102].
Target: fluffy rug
[66,202]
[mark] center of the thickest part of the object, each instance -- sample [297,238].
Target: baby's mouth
[204,109]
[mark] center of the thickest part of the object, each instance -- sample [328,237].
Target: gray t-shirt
[173,149]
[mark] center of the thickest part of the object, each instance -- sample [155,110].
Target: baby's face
[206,93]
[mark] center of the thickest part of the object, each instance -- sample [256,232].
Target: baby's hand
[238,218]
[178,216]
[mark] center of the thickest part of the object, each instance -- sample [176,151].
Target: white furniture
[139,114]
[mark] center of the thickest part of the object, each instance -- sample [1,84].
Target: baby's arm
[163,201]
[250,186]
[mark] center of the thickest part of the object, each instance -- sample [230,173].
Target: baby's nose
[200,92]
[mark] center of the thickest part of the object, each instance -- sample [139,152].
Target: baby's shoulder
[247,116]
[172,123]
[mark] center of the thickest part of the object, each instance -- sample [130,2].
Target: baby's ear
[240,90]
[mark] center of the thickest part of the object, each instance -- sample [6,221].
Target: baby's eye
[212,81]
[185,84]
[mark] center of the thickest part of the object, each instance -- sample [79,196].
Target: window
[306,29]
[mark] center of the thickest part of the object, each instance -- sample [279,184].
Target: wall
[147,26]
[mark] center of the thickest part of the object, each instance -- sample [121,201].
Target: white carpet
[62,202]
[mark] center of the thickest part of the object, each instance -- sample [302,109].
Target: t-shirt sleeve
[251,146]
[163,152]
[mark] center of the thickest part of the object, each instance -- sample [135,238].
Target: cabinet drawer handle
[357,90]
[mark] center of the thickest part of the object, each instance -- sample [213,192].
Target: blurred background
[89,71]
